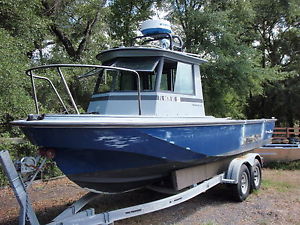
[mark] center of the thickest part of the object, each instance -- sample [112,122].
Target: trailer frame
[72,215]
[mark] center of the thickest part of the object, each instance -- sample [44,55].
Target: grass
[294,165]
[263,222]
[255,192]
[279,186]
[208,223]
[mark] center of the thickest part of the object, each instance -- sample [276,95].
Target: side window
[184,81]
[168,76]
[177,77]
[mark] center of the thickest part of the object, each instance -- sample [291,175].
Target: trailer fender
[232,173]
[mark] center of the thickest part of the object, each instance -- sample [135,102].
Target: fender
[232,173]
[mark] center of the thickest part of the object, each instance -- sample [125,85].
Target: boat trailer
[235,175]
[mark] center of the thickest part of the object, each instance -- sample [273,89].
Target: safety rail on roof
[94,71]
[161,36]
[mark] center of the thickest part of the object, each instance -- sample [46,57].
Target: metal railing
[285,134]
[156,37]
[59,71]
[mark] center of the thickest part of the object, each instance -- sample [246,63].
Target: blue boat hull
[119,159]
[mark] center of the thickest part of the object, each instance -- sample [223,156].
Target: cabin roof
[110,54]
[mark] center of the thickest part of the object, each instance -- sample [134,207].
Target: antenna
[159,30]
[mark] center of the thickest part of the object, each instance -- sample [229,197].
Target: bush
[17,151]
[294,165]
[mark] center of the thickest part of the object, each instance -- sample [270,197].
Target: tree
[276,24]
[15,100]
[218,30]
[125,17]
[20,28]
[75,25]
[252,46]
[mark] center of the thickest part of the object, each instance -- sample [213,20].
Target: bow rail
[96,69]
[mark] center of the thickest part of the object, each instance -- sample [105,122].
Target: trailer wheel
[241,190]
[256,175]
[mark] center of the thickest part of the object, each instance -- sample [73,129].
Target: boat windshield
[116,80]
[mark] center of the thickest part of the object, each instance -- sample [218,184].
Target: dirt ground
[277,202]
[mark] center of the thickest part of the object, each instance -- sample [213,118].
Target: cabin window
[177,77]
[143,64]
[184,81]
[116,80]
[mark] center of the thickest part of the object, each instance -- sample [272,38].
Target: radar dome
[149,27]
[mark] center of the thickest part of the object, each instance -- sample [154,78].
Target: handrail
[53,87]
[67,88]
[160,36]
[29,72]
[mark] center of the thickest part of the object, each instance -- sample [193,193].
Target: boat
[144,122]
[279,152]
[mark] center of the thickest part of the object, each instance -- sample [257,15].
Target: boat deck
[279,152]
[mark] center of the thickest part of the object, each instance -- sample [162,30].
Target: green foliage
[15,101]
[218,31]
[77,29]
[50,171]
[276,24]
[248,47]
[125,16]
[16,151]
[294,165]
[252,51]
[22,19]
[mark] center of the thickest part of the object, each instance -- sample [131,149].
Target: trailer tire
[256,175]
[241,190]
